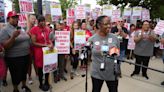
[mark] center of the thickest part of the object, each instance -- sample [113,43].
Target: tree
[156,7]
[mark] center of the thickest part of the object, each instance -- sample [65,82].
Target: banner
[80,12]
[127,13]
[79,39]
[70,16]
[22,20]
[50,60]
[107,10]
[116,15]
[137,13]
[159,29]
[145,14]
[56,12]
[62,42]
[26,6]
[2,11]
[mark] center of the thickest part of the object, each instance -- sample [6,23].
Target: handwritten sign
[26,6]
[62,42]
[80,12]
[136,13]
[22,20]
[56,12]
[145,14]
[2,11]
[107,10]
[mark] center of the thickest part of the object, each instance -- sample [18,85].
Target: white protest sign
[62,42]
[56,12]
[159,29]
[137,13]
[87,9]
[26,6]
[127,13]
[107,10]
[145,14]
[80,12]
[22,20]
[50,60]
[79,39]
[2,11]
[127,26]
[116,15]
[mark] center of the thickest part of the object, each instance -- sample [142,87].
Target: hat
[11,14]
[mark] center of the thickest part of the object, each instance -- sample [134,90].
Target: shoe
[71,76]
[4,83]
[64,78]
[16,90]
[133,74]
[162,83]
[145,76]
[44,87]
[30,81]
[25,89]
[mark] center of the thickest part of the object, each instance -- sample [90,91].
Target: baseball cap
[11,14]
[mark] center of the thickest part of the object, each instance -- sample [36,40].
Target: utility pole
[39,4]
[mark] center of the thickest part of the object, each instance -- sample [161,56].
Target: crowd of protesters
[19,50]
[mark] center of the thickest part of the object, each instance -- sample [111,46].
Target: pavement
[126,83]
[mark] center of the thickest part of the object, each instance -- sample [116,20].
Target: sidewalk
[126,83]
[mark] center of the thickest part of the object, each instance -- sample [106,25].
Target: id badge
[102,66]
[104,48]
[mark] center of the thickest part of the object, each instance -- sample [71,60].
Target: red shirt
[66,28]
[42,37]
[88,34]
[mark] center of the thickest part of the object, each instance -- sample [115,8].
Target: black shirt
[124,42]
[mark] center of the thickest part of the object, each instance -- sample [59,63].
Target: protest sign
[137,13]
[80,12]
[62,42]
[56,12]
[145,14]
[22,20]
[2,12]
[79,39]
[70,16]
[127,13]
[26,6]
[50,60]
[107,10]
[159,29]
[116,15]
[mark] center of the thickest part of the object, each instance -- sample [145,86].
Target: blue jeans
[122,54]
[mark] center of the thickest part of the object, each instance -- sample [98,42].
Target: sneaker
[4,83]
[26,89]
[44,87]
[64,78]
[30,81]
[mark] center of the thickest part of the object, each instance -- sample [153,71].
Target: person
[88,35]
[162,42]
[16,44]
[31,23]
[40,38]
[98,39]
[131,43]
[61,57]
[2,67]
[122,34]
[144,40]
[74,53]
